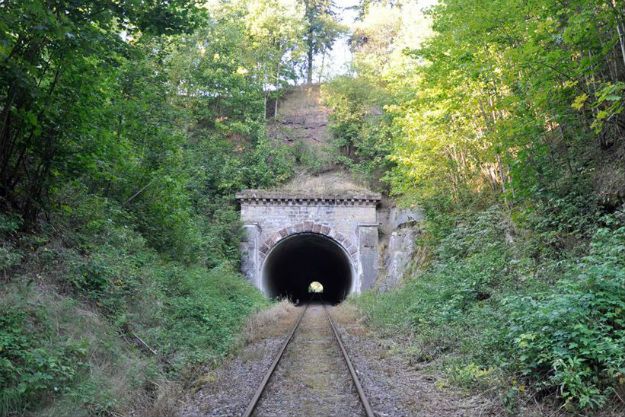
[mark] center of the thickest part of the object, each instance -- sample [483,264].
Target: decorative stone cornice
[278,198]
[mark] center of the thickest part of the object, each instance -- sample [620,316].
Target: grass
[110,327]
[69,352]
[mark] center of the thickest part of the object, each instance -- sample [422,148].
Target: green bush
[117,287]
[61,350]
[130,230]
[361,131]
[204,313]
[191,313]
[58,358]
[488,309]
[10,255]
[30,366]
[573,337]
[457,293]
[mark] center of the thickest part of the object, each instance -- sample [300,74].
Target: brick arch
[308,227]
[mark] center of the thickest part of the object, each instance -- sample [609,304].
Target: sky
[340,56]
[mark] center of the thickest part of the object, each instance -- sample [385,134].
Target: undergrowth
[509,303]
[96,322]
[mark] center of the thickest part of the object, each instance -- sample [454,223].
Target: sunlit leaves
[495,85]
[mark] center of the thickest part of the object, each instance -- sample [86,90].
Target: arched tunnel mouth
[299,260]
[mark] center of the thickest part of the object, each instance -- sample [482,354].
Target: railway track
[261,391]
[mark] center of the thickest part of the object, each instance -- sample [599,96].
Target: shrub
[30,366]
[10,256]
[573,337]
[489,310]
[204,313]
[74,341]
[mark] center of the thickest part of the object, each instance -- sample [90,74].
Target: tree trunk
[275,104]
[621,38]
[275,108]
[310,65]
[619,26]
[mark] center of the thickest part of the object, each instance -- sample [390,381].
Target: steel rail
[352,370]
[261,388]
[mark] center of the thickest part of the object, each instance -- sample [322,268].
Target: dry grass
[165,401]
[274,321]
[348,316]
[332,182]
[346,313]
[166,396]
[115,370]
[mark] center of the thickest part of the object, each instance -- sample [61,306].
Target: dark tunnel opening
[302,259]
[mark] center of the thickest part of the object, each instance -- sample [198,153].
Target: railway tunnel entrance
[303,259]
[292,239]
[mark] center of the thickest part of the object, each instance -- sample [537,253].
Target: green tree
[126,131]
[54,57]
[276,29]
[509,116]
[322,29]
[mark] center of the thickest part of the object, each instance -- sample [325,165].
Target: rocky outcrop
[301,117]
[400,250]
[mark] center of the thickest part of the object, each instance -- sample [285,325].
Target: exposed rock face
[301,116]
[402,217]
[402,226]
[401,248]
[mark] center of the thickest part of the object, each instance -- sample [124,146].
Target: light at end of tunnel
[315,287]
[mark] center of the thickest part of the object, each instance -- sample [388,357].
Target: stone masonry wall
[350,220]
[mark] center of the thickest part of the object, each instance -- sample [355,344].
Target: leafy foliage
[504,123]
[361,132]
[482,309]
[321,29]
[126,130]
[29,368]
[573,337]
[9,254]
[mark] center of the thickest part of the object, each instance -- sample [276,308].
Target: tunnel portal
[301,259]
[291,239]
